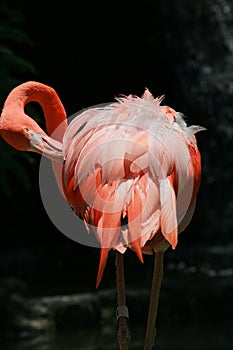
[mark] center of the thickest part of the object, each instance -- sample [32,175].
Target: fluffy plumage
[134,160]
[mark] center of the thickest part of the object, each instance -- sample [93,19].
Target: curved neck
[54,112]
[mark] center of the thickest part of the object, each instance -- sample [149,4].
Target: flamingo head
[24,134]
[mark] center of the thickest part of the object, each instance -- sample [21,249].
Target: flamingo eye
[26,129]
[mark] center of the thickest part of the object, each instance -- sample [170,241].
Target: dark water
[195,309]
[169,337]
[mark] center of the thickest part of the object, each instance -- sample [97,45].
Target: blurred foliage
[13,69]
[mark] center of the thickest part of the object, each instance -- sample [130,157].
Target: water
[169,337]
[195,309]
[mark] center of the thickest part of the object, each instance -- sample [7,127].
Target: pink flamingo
[131,170]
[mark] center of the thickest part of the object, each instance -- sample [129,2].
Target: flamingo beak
[46,146]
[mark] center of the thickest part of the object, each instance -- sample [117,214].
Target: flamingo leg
[154,300]
[123,335]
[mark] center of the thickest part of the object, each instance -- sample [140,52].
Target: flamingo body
[130,162]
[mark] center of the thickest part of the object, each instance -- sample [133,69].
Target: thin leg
[123,335]
[154,300]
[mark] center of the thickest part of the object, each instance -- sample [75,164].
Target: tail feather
[102,264]
[136,245]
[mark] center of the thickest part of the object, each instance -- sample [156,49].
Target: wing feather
[168,212]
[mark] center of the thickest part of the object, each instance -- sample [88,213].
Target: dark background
[89,53]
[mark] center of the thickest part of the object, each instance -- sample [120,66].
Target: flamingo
[131,170]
